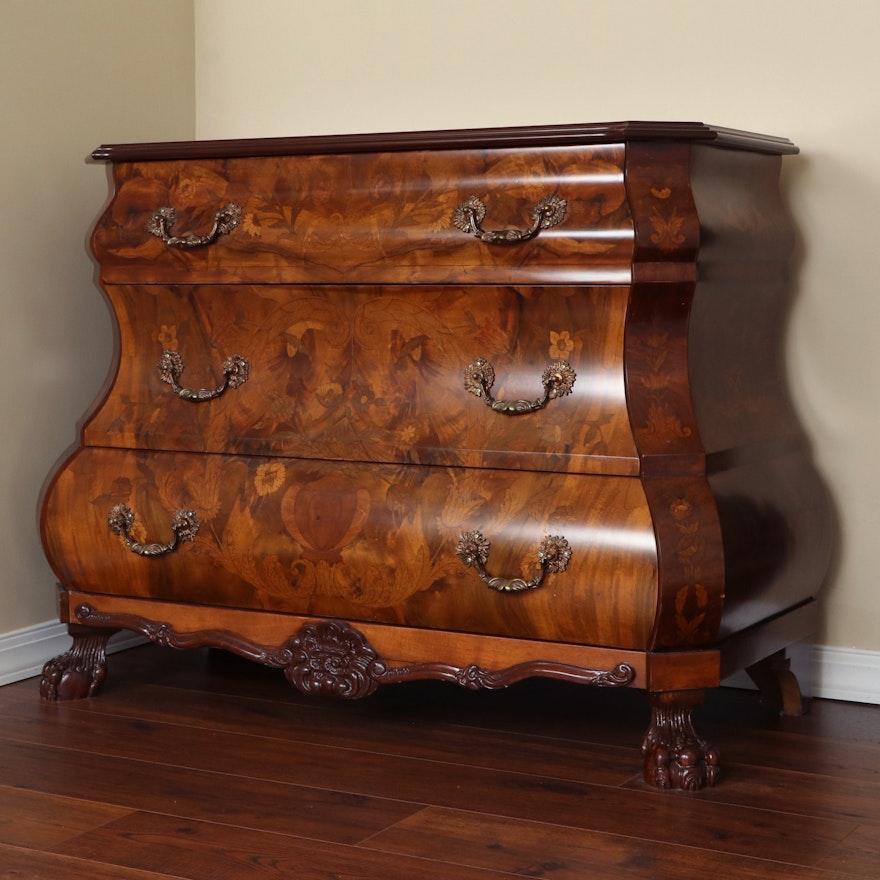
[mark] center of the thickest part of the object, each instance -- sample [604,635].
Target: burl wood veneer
[474,405]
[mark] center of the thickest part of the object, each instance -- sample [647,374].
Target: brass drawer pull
[184,525]
[469,216]
[236,371]
[225,220]
[554,554]
[557,379]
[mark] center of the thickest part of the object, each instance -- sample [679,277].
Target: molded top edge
[478,138]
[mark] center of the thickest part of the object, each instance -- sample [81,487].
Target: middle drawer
[374,374]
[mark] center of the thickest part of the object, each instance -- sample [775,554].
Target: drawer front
[374,374]
[361,542]
[375,217]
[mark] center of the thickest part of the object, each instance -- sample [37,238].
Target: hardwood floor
[200,765]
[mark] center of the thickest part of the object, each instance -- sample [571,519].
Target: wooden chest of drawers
[473,405]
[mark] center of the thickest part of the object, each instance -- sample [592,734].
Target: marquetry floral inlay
[692,599]
[561,345]
[662,421]
[691,602]
[269,477]
[667,233]
[167,337]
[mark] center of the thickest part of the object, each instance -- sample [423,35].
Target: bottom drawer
[363,542]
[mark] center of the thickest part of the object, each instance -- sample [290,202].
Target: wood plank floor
[200,765]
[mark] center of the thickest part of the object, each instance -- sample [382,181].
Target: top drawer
[395,217]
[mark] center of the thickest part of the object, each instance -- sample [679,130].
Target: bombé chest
[465,405]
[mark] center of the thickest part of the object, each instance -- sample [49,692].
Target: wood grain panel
[373,217]
[778,535]
[362,542]
[373,374]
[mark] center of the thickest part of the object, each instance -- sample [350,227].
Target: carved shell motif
[333,659]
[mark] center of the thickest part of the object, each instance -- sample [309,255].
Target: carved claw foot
[674,756]
[79,672]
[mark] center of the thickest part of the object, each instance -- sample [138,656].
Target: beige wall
[799,68]
[72,74]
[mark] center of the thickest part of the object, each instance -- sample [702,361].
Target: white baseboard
[840,673]
[24,651]
[846,674]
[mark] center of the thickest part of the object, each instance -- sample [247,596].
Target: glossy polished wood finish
[521,137]
[374,374]
[349,541]
[350,291]
[371,218]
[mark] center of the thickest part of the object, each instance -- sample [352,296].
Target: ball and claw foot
[674,756]
[689,768]
[79,672]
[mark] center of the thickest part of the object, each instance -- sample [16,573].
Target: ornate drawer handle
[554,554]
[236,371]
[185,526]
[225,220]
[557,379]
[469,216]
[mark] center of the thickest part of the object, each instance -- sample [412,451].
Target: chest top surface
[482,138]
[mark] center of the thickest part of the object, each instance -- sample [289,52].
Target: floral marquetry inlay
[691,600]
[561,344]
[689,534]
[371,374]
[667,227]
[663,421]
